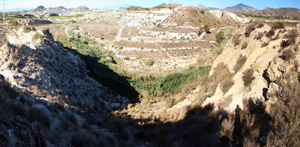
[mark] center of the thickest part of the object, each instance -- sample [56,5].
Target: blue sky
[259,4]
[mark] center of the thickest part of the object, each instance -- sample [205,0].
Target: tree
[206,28]
[53,14]
[220,36]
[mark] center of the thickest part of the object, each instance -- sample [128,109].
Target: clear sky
[259,4]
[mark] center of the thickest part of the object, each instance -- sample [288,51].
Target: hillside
[181,76]
[164,5]
[252,79]
[35,62]
[192,16]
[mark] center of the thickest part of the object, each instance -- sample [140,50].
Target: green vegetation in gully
[222,37]
[170,83]
[102,65]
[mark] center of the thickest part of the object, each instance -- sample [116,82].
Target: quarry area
[170,75]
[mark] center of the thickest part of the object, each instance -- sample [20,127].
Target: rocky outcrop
[35,62]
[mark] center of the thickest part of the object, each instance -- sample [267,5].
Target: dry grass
[226,84]
[249,29]
[236,40]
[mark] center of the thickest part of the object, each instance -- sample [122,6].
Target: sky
[259,4]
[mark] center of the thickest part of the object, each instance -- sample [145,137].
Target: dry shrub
[15,108]
[239,63]
[116,124]
[248,77]
[260,25]
[83,138]
[227,127]
[284,43]
[285,114]
[236,40]
[259,35]
[209,84]
[244,45]
[270,33]
[249,29]
[291,36]
[264,44]
[277,25]
[250,130]
[226,84]
[287,55]
[39,115]
[296,49]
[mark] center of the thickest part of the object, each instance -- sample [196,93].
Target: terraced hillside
[156,35]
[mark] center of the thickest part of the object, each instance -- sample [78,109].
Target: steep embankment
[257,55]
[35,62]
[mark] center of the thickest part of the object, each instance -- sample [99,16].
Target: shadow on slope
[47,122]
[101,73]
[204,127]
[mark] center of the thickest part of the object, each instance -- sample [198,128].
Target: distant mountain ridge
[81,8]
[18,9]
[292,13]
[240,7]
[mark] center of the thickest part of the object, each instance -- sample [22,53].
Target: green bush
[53,14]
[27,29]
[206,28]
[14,23]
[201,61]
[37,36]
[74,27]
[220,36]
[149,63]
[170,83]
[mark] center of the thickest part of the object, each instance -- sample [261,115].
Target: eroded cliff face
[269,51]
[36,63]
